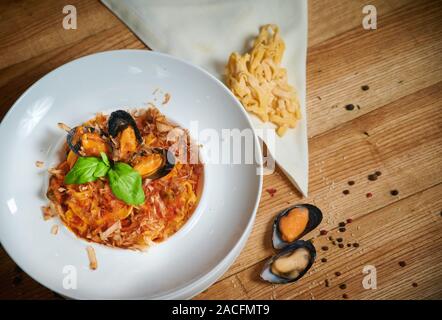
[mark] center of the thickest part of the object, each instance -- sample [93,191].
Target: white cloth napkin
[205,32]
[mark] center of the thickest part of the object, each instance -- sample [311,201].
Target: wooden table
[395,128]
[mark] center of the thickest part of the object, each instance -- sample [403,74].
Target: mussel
[126,143]
[119,121]
[86,141]
[290,264]
[293,223]
[153,163]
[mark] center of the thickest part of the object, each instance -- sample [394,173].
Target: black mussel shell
[120,120]
[314,219]
[76,147]
[268,275]
[169,163]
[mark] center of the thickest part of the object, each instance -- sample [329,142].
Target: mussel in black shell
[87,141]
[153,163]
[120,120]
[293,223]
[290,264]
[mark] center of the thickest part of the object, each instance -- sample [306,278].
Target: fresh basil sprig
[125,182]
[87,169]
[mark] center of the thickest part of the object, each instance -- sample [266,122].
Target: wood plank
[401,57]
[14,80]
[401,134]
[341,16]
[397,60]
[408,230]
[29,29]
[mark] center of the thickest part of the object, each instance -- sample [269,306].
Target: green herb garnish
[86,169]
[125,182]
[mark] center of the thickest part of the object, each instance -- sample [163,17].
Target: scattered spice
[342,224]
[346,192]
[271,191]
[349,245]
[323,232]
[341,245]
[330,238]
[365,87]
[394,192]
[39,164]
[349,107]
[414,284]
[402,264]
[372,177]
[324,248]
[343,286]
[369,195]
[324,260]
[349,220]
[342,229]
[327,283]
[356,245]
[378,173]
[337,273]
[17,280]
[366,133]
[357,106]
[334,243]
[339,239]
[345,296]
[351,182]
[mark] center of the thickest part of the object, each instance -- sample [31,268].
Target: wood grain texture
[420,250]
[346,153]
[397,130]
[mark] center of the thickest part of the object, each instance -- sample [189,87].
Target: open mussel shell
[168,165]
[290,264]
[120,120]
[297,227]
[73,138]
[147,164]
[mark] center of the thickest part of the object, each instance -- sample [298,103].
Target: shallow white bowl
[180,267]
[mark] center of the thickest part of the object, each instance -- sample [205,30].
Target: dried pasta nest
[261,84]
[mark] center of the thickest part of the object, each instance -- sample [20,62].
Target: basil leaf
[101,170]
[105,159]
[126,183]
[83,171]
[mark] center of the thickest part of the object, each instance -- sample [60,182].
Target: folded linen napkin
[205,32]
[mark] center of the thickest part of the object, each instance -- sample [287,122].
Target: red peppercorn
[271,191]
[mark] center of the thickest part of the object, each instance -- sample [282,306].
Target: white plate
[178,268]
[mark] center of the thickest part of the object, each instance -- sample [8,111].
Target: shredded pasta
[261,84]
